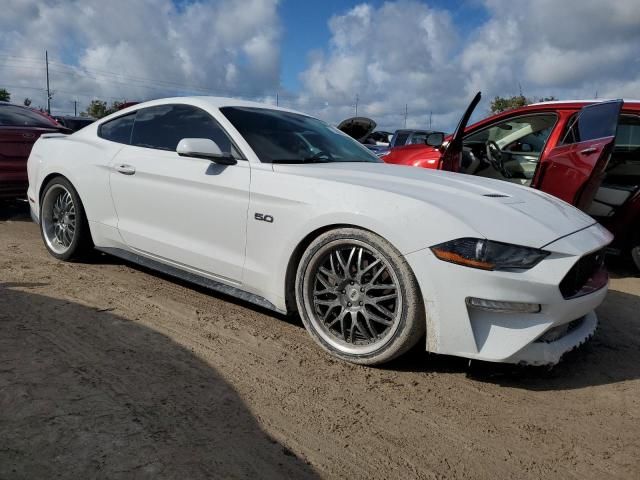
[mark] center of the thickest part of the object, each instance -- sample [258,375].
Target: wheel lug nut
[351,283]
[349,304]
[360,303]
[344,291]
[362,289]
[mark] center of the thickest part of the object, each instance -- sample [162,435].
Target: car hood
[357,127]
[497,210]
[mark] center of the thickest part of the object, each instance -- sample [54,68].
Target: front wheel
[358,297]
[63,223]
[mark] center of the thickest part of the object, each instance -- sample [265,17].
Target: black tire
[80,240]
[373,343]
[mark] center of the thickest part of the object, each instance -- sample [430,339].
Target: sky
[426,58]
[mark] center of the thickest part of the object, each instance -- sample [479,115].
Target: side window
[595,121]
[526,134]
[118,129]
[401,139]
[628,136]
[162,127]
[418,138]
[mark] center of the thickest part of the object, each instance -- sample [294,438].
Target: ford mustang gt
[285,211]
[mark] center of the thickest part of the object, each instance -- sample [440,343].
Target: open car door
[573,171]
[452,156]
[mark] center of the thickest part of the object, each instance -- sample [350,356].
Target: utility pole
[357,100]
[46,61]
[406,114]
[75,108]
[430,117]
[277,100]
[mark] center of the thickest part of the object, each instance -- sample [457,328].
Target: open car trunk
[357,127]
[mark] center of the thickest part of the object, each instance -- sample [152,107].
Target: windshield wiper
[301,160]
[320,157]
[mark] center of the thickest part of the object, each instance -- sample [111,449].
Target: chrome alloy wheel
[58,219]
[353,295]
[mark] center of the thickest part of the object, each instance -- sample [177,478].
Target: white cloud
[406,52]
[138,49]
[389,57]
[403,52]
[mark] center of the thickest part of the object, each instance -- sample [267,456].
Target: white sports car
[285,211]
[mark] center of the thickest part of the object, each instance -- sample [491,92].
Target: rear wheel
[63,223]
[358,297]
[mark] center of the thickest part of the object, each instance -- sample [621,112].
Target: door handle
[589,151]
[126,169]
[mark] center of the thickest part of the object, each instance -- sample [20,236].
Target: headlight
[488,255]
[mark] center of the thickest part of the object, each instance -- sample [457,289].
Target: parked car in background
[404,141]
[20,127]
[280,209]
[74,123]
[410,137]
[363,130]
[565,148]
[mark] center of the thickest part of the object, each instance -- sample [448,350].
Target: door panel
[574,170]
[186,210]
[452,156]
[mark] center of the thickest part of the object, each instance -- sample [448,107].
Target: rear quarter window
[118,130]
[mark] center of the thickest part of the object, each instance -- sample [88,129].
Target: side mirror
[435,139]
[204,148]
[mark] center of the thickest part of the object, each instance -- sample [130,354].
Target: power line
[46,60]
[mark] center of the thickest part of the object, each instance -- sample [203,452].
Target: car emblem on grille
[28,135]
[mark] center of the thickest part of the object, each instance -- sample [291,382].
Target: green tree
[5,96]
[27,102]
[100,108]
[97,109]
[500,104]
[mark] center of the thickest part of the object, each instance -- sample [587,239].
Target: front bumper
[454,328]
[550,353]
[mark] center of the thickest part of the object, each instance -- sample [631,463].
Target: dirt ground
[111,371]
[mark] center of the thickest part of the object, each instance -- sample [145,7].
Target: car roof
[214,102]
[570,104]
[413,130]
[584,101]
[72,117]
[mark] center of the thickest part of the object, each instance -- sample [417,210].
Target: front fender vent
[495,195]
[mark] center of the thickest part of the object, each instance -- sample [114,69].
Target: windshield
[282,137]
[15,116]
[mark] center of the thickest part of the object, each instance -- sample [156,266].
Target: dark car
[74,123]
[20,127]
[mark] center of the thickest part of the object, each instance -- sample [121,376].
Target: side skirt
[191,277]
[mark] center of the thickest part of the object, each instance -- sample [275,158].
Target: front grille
[586,276]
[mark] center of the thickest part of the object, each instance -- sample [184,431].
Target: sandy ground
[111,371]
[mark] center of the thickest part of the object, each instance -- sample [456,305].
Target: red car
[20,127]
[584,152]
